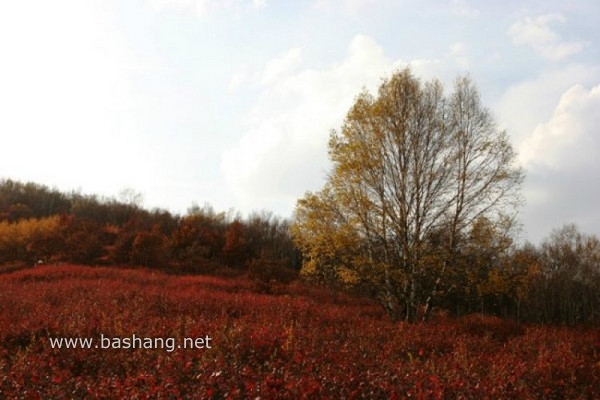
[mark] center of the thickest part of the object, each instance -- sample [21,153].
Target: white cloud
[350,6]
[562,159]
[459,52]
[524,105]
[462,8]
[259,3]
[552,122]
[569,141]
[238,78]
[536,33]
[283,151]
[281,67]
[204,8]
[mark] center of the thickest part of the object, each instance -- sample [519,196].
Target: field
[300,342]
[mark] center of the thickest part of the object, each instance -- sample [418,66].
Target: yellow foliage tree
[27,240]
[408,165]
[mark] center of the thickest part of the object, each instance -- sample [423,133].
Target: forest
[43,225]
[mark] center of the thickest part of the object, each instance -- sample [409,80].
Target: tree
[409,165]
[235,247]
[570,275]
[82,241]
[150,248]
[526,290]
[29,240]
[197,242]
[481,270]
[40,201]
[265,234]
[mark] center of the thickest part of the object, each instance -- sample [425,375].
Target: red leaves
[304,343]
[234,248]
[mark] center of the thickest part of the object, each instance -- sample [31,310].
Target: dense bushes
[304,343]
[268,273]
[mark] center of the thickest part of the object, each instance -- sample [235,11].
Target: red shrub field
[298,342]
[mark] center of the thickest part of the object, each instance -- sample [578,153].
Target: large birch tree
[413,169]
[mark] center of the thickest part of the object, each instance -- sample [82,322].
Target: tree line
[39,224]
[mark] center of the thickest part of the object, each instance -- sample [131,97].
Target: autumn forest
[404,276]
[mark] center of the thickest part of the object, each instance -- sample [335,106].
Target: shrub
[495,328]
[267,274]
[150,249]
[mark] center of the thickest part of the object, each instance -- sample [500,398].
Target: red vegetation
[303,342]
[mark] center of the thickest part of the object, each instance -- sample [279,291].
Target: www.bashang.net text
[131,342]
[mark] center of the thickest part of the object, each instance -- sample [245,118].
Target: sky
[231,102]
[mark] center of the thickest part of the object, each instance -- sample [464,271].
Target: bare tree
[570,277]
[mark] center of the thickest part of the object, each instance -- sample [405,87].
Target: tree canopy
[414,170]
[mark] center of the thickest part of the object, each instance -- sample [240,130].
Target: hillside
[486,272]
[300,342]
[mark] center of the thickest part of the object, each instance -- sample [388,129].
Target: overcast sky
[231,102]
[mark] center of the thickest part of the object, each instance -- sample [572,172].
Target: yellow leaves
[498,282]
[348,276]
[490,236]
[328,239]
[407,164]
[21,232]
[18,239]
[309,268]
